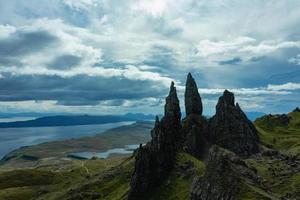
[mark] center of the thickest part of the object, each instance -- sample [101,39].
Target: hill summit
[229,129]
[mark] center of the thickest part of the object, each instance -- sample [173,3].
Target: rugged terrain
[223,157]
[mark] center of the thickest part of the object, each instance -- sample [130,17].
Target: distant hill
[72,120]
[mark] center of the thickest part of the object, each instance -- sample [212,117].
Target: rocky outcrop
[223,178]
[231,129]
[192,99]
[272,121]
[228,128]
[155,160]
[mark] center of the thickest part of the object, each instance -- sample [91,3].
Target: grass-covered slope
[281,132]
[48,184]
[109,179]
[95,179]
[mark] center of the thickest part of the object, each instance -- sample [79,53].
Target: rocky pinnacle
[193,103]
[172,108]
[156,159]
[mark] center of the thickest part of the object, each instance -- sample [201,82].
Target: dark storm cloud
[77,90]
[64,62]
[233,61]
[23,43]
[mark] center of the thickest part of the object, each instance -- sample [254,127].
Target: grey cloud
[233,61]
[22,43]
[64,62]
[7,61]
[77,90]
[162,57]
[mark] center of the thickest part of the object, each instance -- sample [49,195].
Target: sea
[14,138]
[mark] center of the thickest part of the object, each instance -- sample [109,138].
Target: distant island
[73,120]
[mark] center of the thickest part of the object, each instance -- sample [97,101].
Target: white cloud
[151,7]
[245,48]
[281,89]
[6,30]
[80,4]
[286,86]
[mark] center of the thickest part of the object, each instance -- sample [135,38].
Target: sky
[120,56]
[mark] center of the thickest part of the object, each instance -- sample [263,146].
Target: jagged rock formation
[228,128]
[296,109]
[192,99]
[155,160]
[223,177]
[278,120]
[231,129]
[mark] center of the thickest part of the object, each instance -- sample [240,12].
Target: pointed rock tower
[155,160]
[230,128]
[193,103]
[195,126]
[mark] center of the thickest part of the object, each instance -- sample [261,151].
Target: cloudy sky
[119,56]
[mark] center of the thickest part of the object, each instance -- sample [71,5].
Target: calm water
[128,149]
[14,138]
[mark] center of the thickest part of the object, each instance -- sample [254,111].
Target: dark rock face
[155,160]
[193,103]
[222,178]
[195,130]
[296,109]
[231,129]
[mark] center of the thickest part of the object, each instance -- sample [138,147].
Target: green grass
[55,184]
[284,138]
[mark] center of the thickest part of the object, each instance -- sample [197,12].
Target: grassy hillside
[281,132]
[109,179]
[93,179]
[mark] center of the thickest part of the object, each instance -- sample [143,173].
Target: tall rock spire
[193,103]
[155,160]
[172,108]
